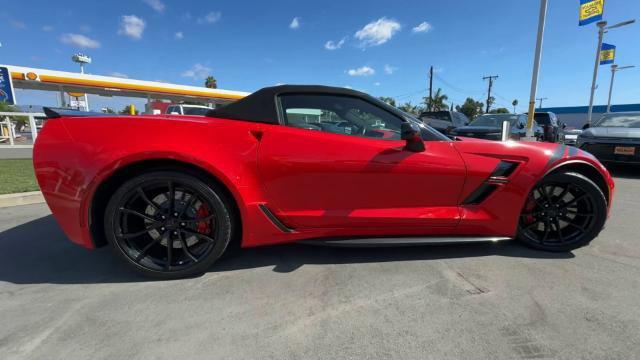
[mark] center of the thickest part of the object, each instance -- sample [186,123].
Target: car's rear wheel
[168,224]
[563,212]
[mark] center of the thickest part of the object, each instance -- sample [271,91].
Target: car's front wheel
[168,224]
[563,212]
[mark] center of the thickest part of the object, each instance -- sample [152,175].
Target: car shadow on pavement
[38,252]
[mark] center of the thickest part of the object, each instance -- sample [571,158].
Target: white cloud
[332,45]
[80,41]
[423,27]
[179,35]
[119,74]
[211,18]
[18,24]
[361,71]
[378,32]
[295,23]
[388,69]
[197,71]
[132,26]
[156,5]
[376,83]
[47,28]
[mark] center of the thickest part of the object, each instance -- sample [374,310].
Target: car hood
[477,129]
[612,132]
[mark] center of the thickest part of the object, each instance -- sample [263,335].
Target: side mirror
[410,132]
[586,126]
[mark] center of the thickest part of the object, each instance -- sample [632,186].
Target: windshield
[195,110]
[542,118]
[494,120]
[620,121]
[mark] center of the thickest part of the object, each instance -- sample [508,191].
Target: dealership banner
[607,54]
[6,87]
[590,11]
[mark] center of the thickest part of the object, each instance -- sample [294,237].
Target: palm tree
[211,82]
[410,108]
[514,103]
[437,102]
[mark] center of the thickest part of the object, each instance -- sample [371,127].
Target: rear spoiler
[54,113]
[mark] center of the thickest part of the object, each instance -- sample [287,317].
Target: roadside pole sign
[607,54]
[590,11]
[6,87]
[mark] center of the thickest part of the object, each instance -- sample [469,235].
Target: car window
[169,109]
[542,118]
[522,120]
[195,111]
[436,115]
[462,119]
[620,121]
[344,115]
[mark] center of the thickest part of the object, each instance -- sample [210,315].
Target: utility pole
[540,99]
[489,92]
[429,105]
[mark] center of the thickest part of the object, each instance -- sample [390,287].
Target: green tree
[471,108]
[410,108]
[211,82]
[20,121]
[389,100]
[499,111]
[437,102]
[514,103]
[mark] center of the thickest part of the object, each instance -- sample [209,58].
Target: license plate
[624,150]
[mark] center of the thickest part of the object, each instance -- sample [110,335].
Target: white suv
[184,109]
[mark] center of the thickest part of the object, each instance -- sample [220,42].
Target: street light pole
[601,25]
[614,69]
[536,69]
[602,28]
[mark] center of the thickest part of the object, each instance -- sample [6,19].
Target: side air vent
[497,178]
[504,169]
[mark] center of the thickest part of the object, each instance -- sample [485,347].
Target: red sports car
[171,194]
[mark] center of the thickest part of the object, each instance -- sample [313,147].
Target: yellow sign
[75,94]
[590,11]
[607,54]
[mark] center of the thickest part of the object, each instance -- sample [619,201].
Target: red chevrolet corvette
[171,194]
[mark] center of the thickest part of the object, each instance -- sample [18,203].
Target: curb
[26,198]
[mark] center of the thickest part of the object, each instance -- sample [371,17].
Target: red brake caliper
[203,227]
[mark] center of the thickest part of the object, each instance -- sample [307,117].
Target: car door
[338,161]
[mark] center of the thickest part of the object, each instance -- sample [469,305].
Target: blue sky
[384,48]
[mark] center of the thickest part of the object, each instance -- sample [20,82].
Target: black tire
[563,212]
[141,221]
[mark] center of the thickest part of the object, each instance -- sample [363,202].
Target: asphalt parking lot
[493,301]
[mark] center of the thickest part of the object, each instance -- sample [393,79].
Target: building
[576,116]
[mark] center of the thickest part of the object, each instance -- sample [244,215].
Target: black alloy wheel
[563,212]
[168,224]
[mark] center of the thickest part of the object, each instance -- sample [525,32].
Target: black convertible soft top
[260,106]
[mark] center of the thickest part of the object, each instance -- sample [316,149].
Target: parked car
[489,126]
[266,170]
[550,125]
[186,109]
[569,136]
[444,121]
[614,138]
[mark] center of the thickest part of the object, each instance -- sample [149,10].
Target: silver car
[615,137]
